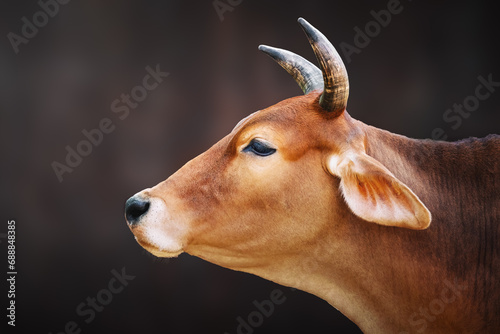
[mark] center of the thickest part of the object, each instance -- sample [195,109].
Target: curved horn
[307,75]
[336,83]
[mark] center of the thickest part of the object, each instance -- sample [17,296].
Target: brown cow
[306,196]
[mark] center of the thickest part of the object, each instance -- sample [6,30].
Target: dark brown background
[70,235]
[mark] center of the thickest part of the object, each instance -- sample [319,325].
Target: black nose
[135,208]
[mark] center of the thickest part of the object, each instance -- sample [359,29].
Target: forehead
[244,120]
[291,124]
[297,111]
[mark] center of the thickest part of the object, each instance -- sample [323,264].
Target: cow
[401,235]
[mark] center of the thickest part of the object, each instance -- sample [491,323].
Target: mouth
[155,230]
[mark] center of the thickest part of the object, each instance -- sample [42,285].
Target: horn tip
[270,51]
[303,22]
[263,48]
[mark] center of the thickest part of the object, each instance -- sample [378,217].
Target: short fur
[284,217]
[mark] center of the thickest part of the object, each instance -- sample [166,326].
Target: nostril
[135,208]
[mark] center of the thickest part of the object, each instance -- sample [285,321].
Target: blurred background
[63,80]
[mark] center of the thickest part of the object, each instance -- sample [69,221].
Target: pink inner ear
[375,195]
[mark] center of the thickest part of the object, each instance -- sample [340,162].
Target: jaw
[224,258]
[156,251]
[155,241]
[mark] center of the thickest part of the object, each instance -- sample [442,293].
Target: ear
[374,194]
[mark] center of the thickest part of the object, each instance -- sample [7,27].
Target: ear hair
[374,194]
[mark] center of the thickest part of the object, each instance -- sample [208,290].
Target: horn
[306,74]
[336,82]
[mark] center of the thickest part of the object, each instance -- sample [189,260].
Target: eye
[260,148]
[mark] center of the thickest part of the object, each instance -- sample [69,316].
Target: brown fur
[284,218]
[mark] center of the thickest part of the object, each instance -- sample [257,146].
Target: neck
[392,279]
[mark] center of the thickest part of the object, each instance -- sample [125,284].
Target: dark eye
[259,148]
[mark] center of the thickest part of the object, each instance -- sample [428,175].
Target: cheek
[266,194]
[274,179]
[296,193]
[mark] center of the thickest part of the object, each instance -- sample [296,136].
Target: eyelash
[259,148]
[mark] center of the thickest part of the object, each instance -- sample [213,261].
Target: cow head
[285,177]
